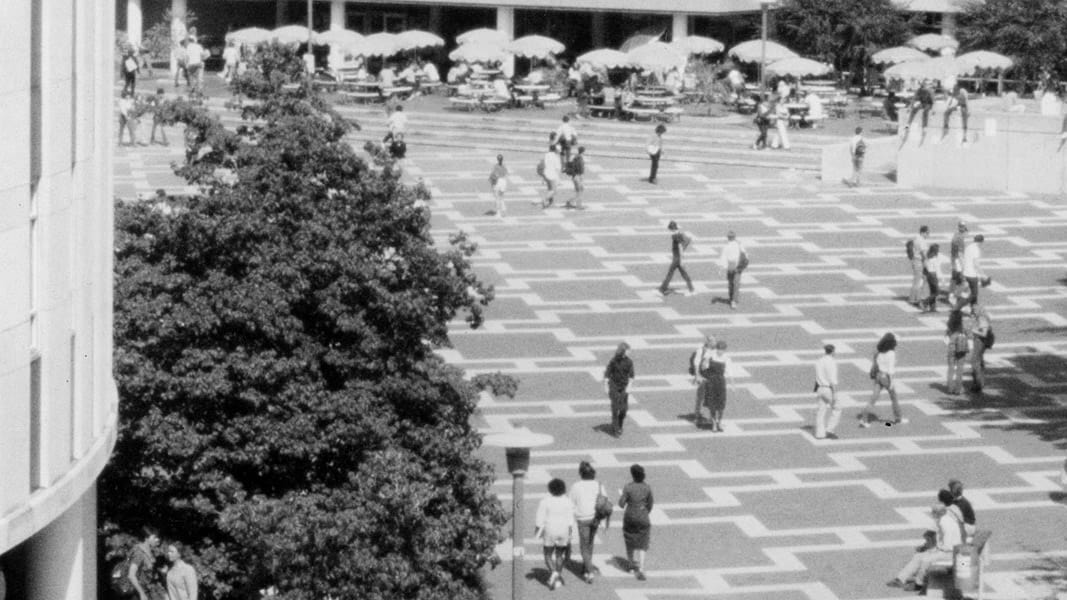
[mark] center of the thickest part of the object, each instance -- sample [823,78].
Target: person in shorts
[555,526]
[498,181]
[576,168]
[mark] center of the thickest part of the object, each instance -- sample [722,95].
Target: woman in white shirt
[882,371]
[555,526]
[584,494]
[932,268]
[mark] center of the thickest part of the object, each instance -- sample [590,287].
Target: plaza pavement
[762,510]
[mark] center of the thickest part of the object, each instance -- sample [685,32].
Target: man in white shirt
[826,394]
[194,63]
[567,137]
[397,124]
[919,248]
[430,73]
[949,535]
[551,175]
[387,76]
[972,268]
[730,260]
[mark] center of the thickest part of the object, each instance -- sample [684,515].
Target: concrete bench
[942,574]
[641,114]
[463,102]
[600,110]
[362,97]
[671,114]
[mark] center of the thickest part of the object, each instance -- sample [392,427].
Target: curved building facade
[57,394]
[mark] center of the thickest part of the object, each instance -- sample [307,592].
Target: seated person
[815,107]
[409,75]
[459,73]
[609,96]
[673,82]
[501,89]
[387,76]
[890,107]
[535,77]
[949,534]
[429,72]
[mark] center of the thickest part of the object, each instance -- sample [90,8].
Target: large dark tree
[283,409]
[843,33]
[1032,32]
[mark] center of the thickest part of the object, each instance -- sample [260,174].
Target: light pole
[517,446]
[763,42]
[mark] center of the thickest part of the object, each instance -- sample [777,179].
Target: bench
[942,574]
[641,114]
[671,114]
[464,102]
[602,111]
[362,97]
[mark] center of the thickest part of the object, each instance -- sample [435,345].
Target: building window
[36,60]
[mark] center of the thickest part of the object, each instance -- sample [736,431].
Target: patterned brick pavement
[762,510]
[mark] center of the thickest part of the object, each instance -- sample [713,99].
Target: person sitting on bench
[950,534]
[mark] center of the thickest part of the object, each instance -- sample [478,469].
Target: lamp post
[517,446]
[763,42]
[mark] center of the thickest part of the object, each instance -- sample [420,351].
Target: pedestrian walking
[655,151]
[155,104]
[716,370]
[734,260]
[957,347]
[180,60]
[617,377]
[498,181]
[696,360]
[972,269]
[764,116]
[781,124]
[857,150]
[932,273]
[584,495]
[883,367]
[127,117]
[981,340]
[680,242]
[576,168]
[827,415]
[555,526]
[916,251]
[181,576]
[142,560]
[550,168]
[130,68]
[567,137]
[636,498]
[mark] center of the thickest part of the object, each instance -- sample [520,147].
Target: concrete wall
[880,160]
[56,248]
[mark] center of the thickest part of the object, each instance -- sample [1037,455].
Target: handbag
[604,507]
[742,261]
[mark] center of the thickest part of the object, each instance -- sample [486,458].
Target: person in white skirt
[498,179]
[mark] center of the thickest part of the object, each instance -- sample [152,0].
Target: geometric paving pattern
[762,510]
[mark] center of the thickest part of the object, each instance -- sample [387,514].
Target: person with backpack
[576,169]
[617,378]
[696,359]
[957,341]
[568,138]
[586,494]
[857,150]
[981,340]
[136,574]
[916,250]
[680,242]
[883,368]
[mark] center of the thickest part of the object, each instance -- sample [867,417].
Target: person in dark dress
[617,377]
[713,370]
[636,498]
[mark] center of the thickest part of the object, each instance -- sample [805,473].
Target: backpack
[742,261]
[541,168]
[119,579]
[686,240]
[909,247]
[989,339]
[568,167]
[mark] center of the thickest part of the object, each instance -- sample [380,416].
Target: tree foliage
[1032,32]
[284,412]
[843,33]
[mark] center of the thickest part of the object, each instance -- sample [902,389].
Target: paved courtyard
[762,510]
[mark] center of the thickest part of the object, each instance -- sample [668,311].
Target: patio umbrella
[638,40]
[657,56]
[416,38]
[250,36]
[799,67]
[291,34]
[696,44]
[897,54]
[535,46]
[605,58]
[478,52]
[376,44]
[345,38]
[982,59]
[750,51]
[933,42]
[941,69]
[483,35]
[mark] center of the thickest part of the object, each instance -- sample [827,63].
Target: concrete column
[679,26]
[337,14]
[279,13]
[505,23]
[598,30]
[435,19]
[62,556]
[948,24]
[134,22]
[177,32]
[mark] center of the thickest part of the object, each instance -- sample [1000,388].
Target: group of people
[147,581]
[563,517]
[132,108]
[921,104]
[954,524]
[927,262]
[563,158]
[733,259]
[772,110]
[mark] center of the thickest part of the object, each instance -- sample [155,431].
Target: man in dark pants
[924,101]
[655,150]
[679,243]
[617,377]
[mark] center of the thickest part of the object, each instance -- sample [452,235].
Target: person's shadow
[605,428]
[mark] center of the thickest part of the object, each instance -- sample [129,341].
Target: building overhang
[691,7]
[932,6]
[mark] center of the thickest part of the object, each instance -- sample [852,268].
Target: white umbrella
[535,46]
[751,51]
[897,54]
[376,44]
[291,34]
[799,67]
[604,57]
[483,35]
[345,38]
[933,42]
[941,69]
[250,36]
[656,56]
[696,44]
[478,52]
[416,38]
[982,59]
